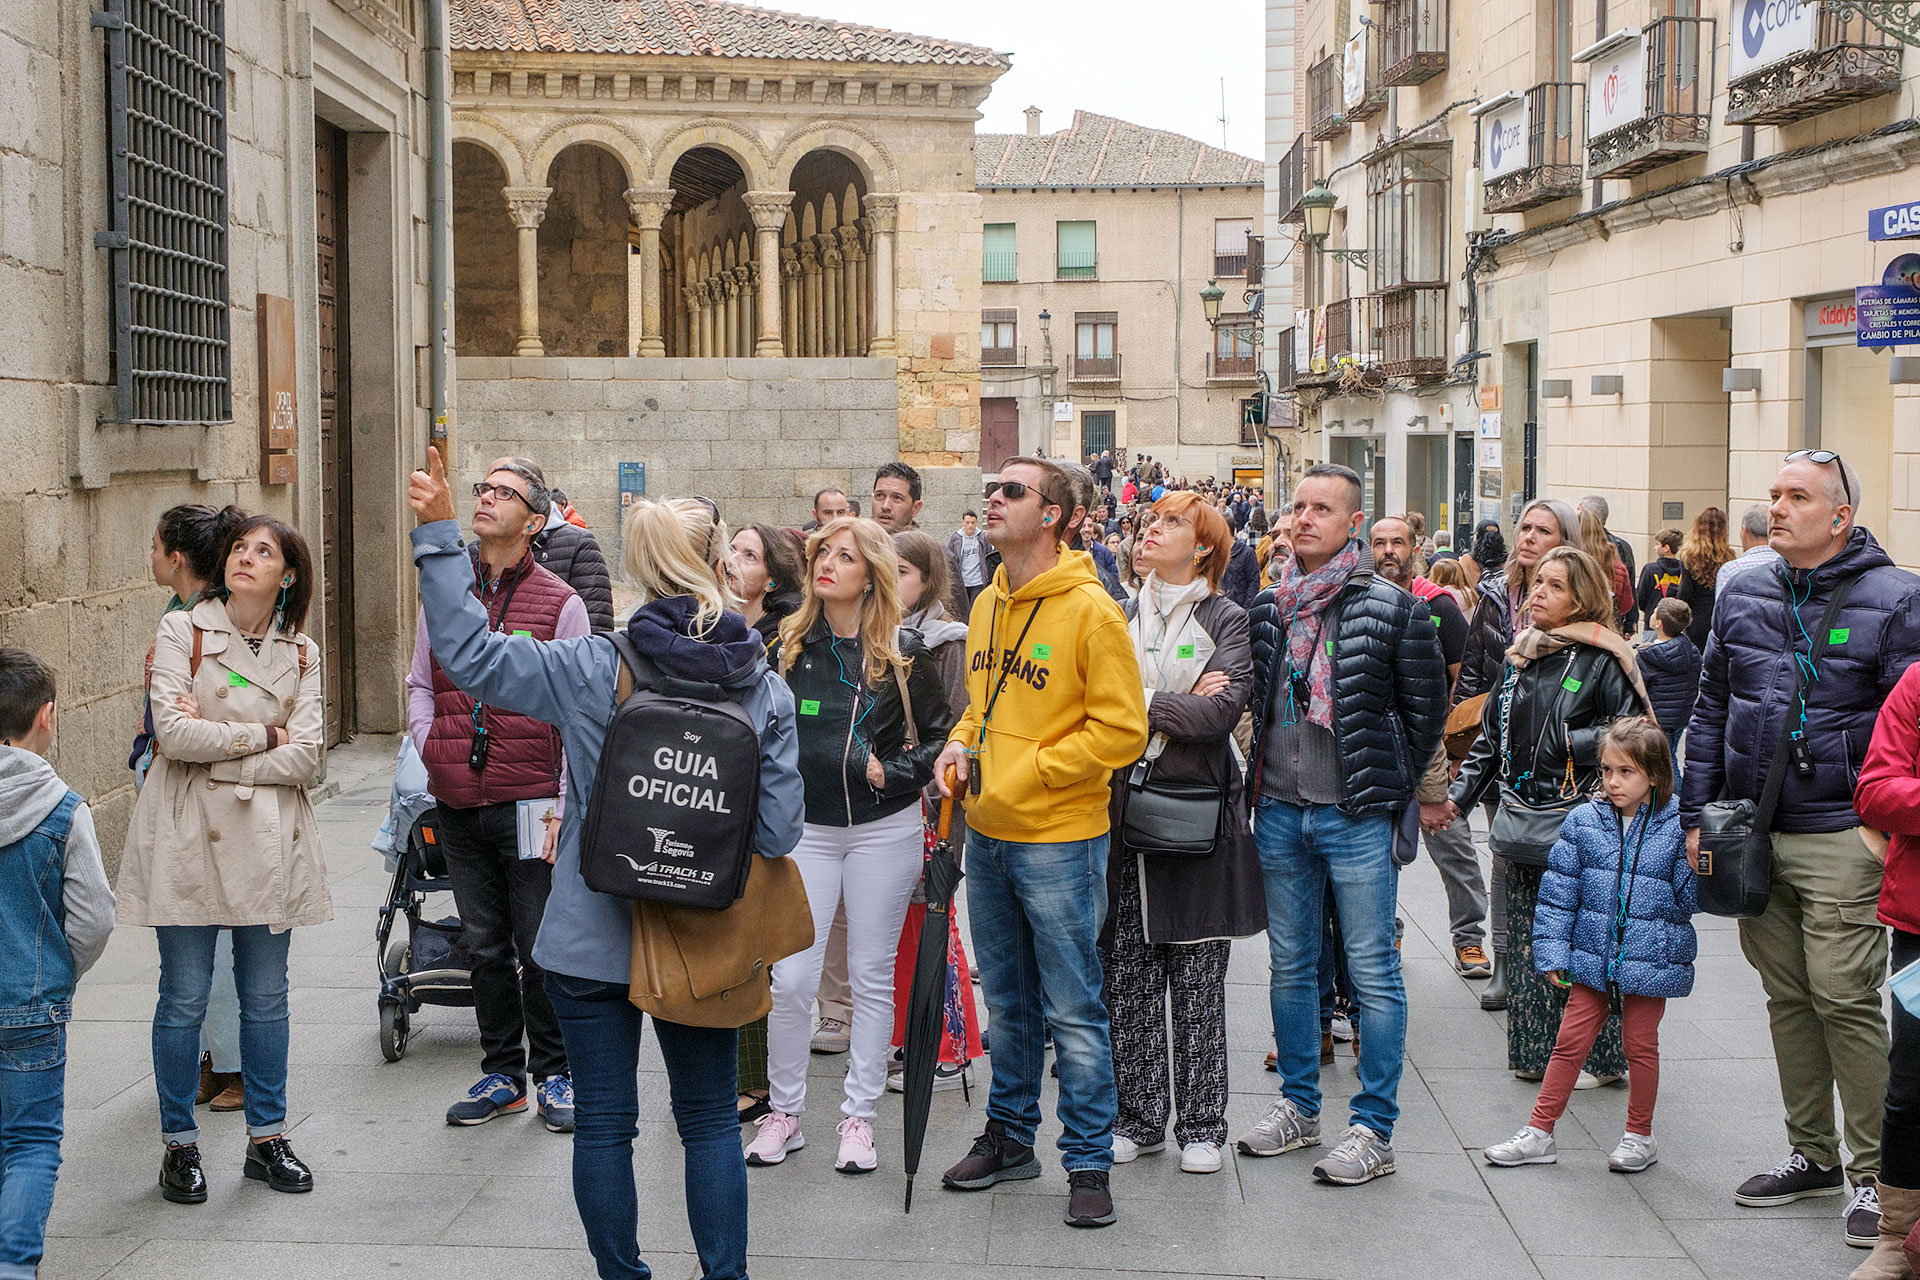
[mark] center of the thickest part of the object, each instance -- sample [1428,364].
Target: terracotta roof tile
[1100,151]
[691,28]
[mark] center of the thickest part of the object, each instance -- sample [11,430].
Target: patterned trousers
[1140,975]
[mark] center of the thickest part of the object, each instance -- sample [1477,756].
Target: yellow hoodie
[1072,709]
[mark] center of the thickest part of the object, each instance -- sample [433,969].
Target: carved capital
[789,264]
[649,206]
[526,205]
[831,258]
[729,286]
[692,294]
[850,243]
[768,209]
[884,210]
[809,256]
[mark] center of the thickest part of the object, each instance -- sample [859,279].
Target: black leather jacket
[1489,632]
[1389,687]
[836,736]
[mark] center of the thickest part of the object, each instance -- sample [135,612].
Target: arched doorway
[583,255]
[485,282]
[831,239]
[706,270]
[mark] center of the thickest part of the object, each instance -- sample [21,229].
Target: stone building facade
[1113,230]
[319,163]
[675,211]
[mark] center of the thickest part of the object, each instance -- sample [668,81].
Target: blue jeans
[1673,750]
[602,1034]
[1036,912]
[1302,850]
[186,980]
[33,1098]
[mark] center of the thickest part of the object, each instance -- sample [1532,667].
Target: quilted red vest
[523,754]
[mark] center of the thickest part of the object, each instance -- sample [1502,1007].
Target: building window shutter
[1078,250]
[999,262]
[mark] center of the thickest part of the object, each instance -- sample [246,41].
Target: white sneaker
[776,1134]
[1126,1150]
[1529,1146]
[856,1147]
[831,1036]
[946,1077]
[1587,1080]
[1636,1152]
[1342,1027]
[1201,1157]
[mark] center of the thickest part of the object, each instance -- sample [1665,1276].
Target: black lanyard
[1006,666]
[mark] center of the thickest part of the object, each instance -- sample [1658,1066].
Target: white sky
[1154,64]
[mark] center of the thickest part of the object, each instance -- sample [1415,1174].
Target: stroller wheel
[393,1032]
[396,958]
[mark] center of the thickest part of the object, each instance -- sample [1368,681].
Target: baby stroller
[429,965]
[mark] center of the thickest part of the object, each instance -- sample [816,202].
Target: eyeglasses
[1820,458]
[500,493]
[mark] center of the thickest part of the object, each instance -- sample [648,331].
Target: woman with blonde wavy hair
[873,717]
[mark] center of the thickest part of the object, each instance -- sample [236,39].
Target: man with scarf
[482,764]
[1339,655]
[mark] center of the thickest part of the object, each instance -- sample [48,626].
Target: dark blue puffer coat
[1671,670]
[1573,929]
[1747,684]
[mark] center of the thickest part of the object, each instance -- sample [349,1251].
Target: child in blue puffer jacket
[1614,927]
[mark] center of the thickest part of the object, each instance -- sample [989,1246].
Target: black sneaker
[181,1178]
[1863,1215]
[995,1158]
[1089,1199]
[1795,1178]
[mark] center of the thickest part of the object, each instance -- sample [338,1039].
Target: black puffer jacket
[836,734]
[1747,684]
[1671,672]
[571,554]
[1562,704]
[1389,687]
[1489,632]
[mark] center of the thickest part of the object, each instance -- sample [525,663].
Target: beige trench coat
[222,833]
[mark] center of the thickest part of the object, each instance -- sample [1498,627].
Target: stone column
[853,305]
[809,298]
[749,308]
[729,314]
[831,279]
[690,345]
[649,209]
[527,206]
[769,210]
[706,318]
[884,211]
[790,296]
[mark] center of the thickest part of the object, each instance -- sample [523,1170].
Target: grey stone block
[797,394]
[539,367]
[480,368]
[717,395]
[703,368]
[648,368]
[590,368]
[821,367]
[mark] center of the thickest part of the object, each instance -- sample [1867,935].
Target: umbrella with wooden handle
[926,994]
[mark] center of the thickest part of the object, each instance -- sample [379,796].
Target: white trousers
[872,869]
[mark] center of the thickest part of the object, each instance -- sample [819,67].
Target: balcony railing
[1413,338]
[1678,103]
[1078,265]
[1552,171]
[999,268]
[1015,357]
[1851,59]
[1229,264]
[1413,41]
[1323,99]
[1232,368]
[1296,175]
[1094,369]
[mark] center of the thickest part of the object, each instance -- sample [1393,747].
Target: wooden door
[999,431]
[336,446]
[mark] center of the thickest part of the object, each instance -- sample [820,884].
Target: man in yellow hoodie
[1054,706]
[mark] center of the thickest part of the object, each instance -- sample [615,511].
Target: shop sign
[1830,317]
[1888,314]
[1506,140]
[1063,411]
[1768,31]
[1617,84]
[1489,426]
[1895,222]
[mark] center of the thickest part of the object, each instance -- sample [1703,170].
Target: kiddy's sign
[1895,222]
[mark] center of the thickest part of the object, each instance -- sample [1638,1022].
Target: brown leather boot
[1326,1046]
[1899,1210]
[209,1081]
[232,1095]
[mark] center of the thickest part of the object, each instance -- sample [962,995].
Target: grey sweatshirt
[29,791]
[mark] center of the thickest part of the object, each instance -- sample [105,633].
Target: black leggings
[1900,1131]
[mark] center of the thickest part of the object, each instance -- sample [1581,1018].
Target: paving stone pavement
[401,1193]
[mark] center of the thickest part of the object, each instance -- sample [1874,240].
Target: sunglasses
[1820,458]
[1016,490]
[500,493]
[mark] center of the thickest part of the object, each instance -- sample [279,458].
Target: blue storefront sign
[1888,314]
[1895,222]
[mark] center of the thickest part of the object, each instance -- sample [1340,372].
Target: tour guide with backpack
[701,972]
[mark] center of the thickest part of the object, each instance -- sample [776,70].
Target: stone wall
[487,321]
[758,436]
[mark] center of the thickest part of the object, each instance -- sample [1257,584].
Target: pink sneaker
[856,1147]
[777,1134]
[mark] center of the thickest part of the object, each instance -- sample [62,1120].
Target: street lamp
[1210,302]
[1317,207]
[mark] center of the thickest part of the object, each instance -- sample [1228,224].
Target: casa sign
[1768,31]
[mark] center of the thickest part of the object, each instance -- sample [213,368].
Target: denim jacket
[36,965]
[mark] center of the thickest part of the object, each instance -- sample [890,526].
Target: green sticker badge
[1837,636]
[235,680]
[1184,651]
[527,634]
[809,707]
[1329,648]
[1570,684]
[1041,652]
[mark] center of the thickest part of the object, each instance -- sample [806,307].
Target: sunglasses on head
[1820,458]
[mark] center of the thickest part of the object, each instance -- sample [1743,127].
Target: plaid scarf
[1302,599]
[1533,644]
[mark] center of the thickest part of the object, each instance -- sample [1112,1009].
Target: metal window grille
[167,137]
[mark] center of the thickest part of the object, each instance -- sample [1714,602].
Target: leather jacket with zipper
[842,718]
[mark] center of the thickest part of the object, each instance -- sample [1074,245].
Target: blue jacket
[1573,925]
[570,685]
[1747,684]
[1671,670]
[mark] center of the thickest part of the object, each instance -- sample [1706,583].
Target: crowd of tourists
[1170,718]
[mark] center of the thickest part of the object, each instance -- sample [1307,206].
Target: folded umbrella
[926,995]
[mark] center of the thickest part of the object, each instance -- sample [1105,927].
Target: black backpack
[675,800]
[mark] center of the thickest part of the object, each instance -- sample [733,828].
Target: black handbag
[1735,864]
[1170,819]
[1523,832]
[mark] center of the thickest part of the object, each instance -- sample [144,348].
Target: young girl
[1614,928]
